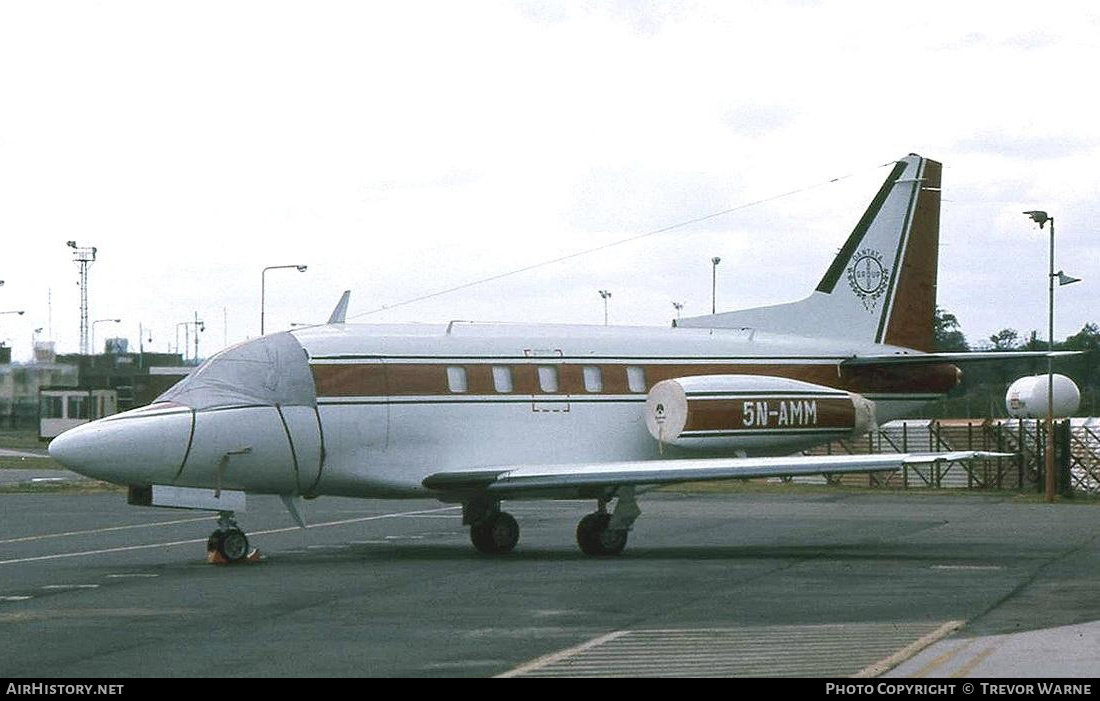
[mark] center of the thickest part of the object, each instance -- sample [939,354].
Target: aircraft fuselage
[394,404]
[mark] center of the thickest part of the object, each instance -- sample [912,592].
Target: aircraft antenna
[613,244]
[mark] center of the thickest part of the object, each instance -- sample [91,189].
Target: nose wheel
[228,542]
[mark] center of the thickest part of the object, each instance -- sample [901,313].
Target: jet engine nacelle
[753,413]
[1026,398]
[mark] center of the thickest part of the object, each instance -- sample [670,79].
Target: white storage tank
[1027,397]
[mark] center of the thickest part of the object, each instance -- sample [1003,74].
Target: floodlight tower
[83,257]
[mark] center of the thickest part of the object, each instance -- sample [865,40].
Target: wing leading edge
[506,481]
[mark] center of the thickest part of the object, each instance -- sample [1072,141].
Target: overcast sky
[406,147]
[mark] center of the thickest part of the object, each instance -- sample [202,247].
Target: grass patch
[20,439]
[17,463]
[81,487]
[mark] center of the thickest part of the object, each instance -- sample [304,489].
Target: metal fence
[1076,457]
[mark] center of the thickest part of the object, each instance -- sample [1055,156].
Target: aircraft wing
[507,481]
[965,357]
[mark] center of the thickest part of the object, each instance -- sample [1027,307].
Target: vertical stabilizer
[881,287]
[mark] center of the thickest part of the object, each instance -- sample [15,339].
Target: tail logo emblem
[868,277]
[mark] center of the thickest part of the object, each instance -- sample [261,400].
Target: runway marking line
[192,541]
[908,651]
[638,653]
[973,662]
[941,660]
[65,587]
[550,659]
[104,530]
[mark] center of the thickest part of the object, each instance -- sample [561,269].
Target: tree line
[981,394]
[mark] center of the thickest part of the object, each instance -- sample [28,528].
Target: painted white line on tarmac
[27,538]
[808,650]
[192,541]
[447,516]
[15,598]
[884,665]
[66,587]
[550,659]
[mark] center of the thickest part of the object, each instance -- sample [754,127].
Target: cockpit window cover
[267,371]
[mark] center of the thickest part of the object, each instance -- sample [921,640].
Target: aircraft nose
[139,447]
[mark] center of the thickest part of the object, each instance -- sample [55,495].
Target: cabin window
[593,381]
[635,378]
[456,378]
[548,378]
[502,378]
[78,408]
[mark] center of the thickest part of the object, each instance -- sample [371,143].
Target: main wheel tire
[232,544]
[495,535]
[595,538]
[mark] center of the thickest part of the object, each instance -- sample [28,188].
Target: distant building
[71,387]
[62,408]
[128,374]
[20,384]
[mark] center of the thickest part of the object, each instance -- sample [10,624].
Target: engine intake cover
[750,411]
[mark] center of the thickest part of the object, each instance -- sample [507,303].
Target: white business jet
[479,413]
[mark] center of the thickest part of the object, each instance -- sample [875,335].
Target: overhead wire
[612,244]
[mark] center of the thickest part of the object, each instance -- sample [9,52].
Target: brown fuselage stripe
[777,412]
[398,379]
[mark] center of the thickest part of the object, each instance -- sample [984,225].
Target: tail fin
[881,287]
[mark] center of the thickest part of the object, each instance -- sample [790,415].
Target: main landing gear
[495,532]
[601,534]
[596,537]
[492,531]
[228,542]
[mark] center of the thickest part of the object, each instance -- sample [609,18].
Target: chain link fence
[1076,455]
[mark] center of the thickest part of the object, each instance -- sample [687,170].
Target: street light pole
[97,321]
[263,284]
[714,282]
[1050,374]
[1041,218]
[606,296]
[186,339]
[199,326]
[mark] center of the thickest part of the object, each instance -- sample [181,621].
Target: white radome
[1026,398]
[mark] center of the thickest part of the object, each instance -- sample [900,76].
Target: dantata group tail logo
[868,277]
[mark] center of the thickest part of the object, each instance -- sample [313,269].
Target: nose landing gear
[228,544]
